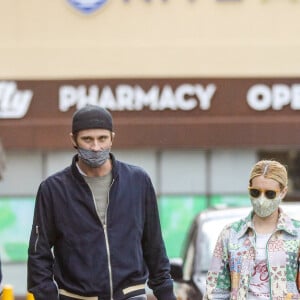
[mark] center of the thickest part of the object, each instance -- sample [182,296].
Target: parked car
[189,272]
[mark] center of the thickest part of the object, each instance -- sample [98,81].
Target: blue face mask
[92,158]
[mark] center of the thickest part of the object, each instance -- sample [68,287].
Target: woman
[258,257]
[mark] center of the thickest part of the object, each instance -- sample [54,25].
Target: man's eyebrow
[97,136]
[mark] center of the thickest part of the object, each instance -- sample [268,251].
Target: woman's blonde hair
[271,169]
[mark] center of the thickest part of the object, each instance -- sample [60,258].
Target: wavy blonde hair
[271,169]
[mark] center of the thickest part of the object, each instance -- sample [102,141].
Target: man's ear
[73,140]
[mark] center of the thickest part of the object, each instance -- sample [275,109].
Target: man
[96,231]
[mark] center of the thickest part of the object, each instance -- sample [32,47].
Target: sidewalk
[15,274]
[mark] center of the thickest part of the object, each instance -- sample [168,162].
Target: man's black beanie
[91,117]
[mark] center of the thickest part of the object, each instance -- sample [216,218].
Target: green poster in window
[15,225]
[229,201]
[177,214]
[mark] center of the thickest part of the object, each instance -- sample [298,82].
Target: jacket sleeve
[40,258]
[0,278]
[218,281]
[155,254]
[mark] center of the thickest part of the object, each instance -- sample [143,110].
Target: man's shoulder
[58,175]
[130,168]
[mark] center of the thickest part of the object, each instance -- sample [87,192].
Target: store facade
[198,93]
[196,137]
[158,113]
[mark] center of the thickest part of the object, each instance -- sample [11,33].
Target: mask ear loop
[283,192]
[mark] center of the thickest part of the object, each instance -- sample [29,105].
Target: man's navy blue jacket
[71,250]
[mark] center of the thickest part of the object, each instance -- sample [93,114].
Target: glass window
[291,159]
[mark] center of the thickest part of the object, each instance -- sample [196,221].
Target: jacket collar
[79,177]
[284,223]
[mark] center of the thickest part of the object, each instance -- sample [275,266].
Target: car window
[207,238]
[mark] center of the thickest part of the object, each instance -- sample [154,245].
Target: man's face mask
[92,158]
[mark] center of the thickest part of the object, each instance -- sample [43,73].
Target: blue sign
[87,6]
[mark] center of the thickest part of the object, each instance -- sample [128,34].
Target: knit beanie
[91,117]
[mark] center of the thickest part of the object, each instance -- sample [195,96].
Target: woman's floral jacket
[234,257]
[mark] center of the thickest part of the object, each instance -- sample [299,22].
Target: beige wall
[50,39]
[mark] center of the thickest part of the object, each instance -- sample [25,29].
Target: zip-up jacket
[234,258]
[71,251]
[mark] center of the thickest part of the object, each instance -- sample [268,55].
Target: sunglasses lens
[270,194]
[254,193]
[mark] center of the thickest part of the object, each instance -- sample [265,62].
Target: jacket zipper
[107,246]
[37,238]
[109,263]
[106,240]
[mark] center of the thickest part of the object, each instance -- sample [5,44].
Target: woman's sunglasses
[255,193]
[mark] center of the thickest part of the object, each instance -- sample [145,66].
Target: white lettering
[205,95]
[167,98]
[126,97]
[14,103]
[107,99]
[70,96]
[281,96]
[67,97]
[259,97]
[149,98]
[87,97]
[181,92]
[295,102]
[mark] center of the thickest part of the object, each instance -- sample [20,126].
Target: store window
[16,215]
[291,159]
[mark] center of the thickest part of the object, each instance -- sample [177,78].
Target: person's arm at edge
[40,258]
[223,268]
[0,278]
[160,280]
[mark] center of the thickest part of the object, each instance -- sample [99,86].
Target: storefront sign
[262,97]
[169,112]
[128,97]
[186,96]
[14,103]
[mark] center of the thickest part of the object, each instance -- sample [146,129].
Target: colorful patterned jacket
[234,256]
